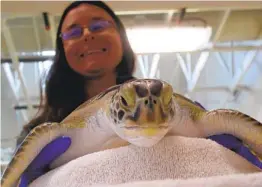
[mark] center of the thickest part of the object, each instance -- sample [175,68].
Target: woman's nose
[86,33]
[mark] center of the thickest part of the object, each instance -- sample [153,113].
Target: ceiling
[243,19]
[56,7]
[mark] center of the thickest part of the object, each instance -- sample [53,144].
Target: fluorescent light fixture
[164,39]
[38,53]
[48,53]
[159,40]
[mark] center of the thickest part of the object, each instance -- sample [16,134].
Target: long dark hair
[65,89]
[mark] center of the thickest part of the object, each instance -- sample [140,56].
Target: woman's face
[91,41]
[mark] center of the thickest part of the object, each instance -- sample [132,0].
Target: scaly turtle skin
[139,112]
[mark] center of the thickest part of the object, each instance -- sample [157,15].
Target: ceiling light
[159,40]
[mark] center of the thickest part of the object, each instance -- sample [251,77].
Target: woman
[92,54]
[75,75]
[87,62]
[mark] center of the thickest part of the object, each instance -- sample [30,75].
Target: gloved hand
[40,165]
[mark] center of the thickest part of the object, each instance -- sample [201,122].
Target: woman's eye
[73,33]
[99,25]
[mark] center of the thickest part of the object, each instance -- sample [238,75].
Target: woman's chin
[93,73]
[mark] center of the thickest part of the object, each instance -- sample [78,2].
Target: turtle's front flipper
[242,126]
[114,142]
[36,140]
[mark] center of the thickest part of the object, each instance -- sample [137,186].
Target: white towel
[173,158]
[234,180]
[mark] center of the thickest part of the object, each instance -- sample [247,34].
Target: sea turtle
[140,112]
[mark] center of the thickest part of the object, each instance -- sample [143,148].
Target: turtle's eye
[124,102]
[127,95]
[167,94]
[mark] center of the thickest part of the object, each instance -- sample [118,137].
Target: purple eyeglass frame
[104,23]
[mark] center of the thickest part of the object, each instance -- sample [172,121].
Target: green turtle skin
[138,111]
[221,121]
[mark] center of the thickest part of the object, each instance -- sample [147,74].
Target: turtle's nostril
[149,103]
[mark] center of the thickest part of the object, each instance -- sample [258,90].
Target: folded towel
[234,180]
[173,158]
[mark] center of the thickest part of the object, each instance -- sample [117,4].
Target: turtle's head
[141,111]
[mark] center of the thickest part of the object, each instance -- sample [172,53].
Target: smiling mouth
[93,52]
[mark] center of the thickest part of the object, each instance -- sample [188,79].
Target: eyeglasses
[77,31]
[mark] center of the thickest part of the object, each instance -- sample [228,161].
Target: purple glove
[236,145]
[40,165]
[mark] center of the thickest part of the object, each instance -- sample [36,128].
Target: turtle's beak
[150,103]
[149,120]
[151,112]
